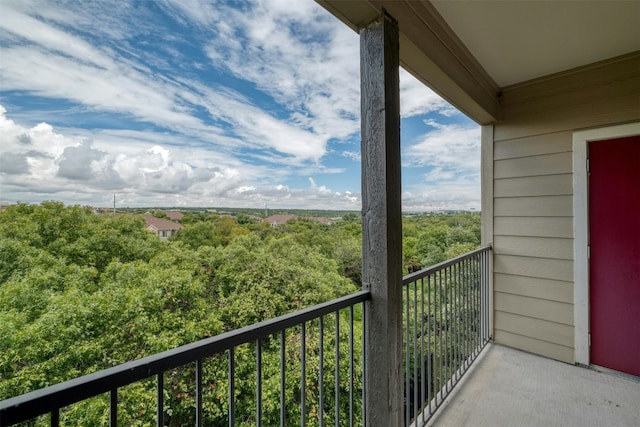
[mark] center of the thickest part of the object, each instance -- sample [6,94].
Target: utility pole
[114,202]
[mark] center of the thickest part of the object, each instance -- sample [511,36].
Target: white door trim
[581,229]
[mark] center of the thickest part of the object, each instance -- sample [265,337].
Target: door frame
[581,141]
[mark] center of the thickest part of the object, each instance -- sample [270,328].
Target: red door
[614,234]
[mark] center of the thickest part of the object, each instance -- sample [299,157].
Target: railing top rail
[45,400]
[410,278]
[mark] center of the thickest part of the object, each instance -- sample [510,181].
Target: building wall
[532,196]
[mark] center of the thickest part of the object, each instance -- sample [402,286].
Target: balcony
[308,368]
[305,368]
[407,365]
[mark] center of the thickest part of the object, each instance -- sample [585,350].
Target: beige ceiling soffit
[432,76]
[432,19]
[621,67]
[421,24]
[354,14]
[430,51]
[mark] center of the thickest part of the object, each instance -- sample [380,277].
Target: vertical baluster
[481,288]
[440,350]
[337,372]
[459,314]
[487,279]
[471,308]
[160,399]
[484,298]
[282,379]
[415,349]
[55,418]
[449,328]
[477,285]
[303,374]
[454,317]
[351,366]
[364,367]
[113,403]
[467,323]
[452,326]
[232,387]
[447,337]
[479,334]
[431,347]
[199,392]
[422,338]
[321,373]
[258,382]
[463,311]
[407,379]
[469,286]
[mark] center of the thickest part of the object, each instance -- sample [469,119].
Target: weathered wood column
[382,221]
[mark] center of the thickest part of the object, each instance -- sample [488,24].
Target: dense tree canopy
[80,292]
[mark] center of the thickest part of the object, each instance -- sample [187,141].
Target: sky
[180,103]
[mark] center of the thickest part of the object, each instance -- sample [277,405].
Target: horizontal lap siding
[533,197]
[533,244]
[548,185]
[534,226]
[535,287]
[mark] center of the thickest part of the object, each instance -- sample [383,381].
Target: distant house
[276,220]
[174,215]
[163,228]
[322,220]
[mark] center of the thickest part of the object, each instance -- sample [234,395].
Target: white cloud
[297,54]
[190,139]
[44,59]
[450,150]
[450,157]
[76,163]
[417,99]
[69,167]
[450,195]
[353,155]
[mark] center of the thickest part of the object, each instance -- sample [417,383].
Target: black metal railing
[312,362]
[446,325]
[320,347]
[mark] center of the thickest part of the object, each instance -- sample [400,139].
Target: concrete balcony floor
[508,387]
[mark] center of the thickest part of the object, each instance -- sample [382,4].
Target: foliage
[80,292]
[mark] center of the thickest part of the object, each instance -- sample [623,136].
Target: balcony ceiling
[468,50]
[515,41]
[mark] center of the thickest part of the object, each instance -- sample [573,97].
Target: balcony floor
[508,387]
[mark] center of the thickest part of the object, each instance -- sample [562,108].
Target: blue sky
[206,103]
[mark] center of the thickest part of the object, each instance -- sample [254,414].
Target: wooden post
[382,221]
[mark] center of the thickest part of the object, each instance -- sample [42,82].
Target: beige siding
[544,348]
[544,268]
[535,287]
[552,311]
[534,226]
[547,185]
[548,164]
[535,328]
[538,247]
[533,206]
[533,146]
[600,95]
[532,191]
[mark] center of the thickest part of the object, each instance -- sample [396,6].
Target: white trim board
[581,229]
